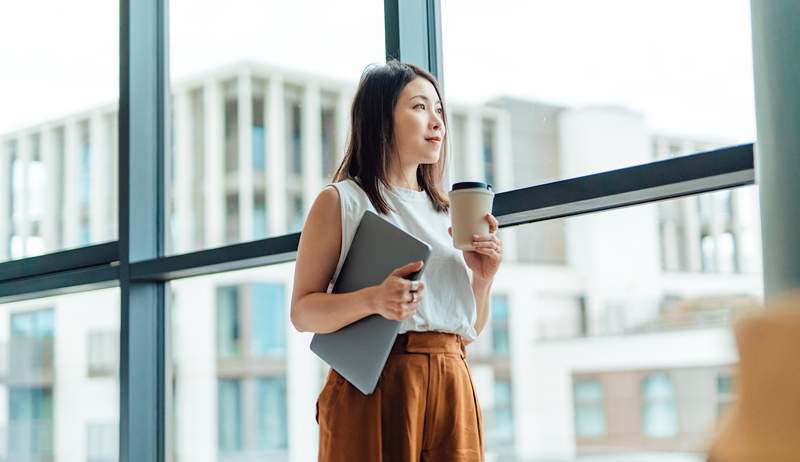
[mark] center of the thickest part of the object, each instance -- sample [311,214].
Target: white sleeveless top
[448,304]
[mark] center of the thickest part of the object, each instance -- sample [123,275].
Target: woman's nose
[436,122]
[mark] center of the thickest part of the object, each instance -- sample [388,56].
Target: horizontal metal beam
[680,176]
[676,177]
[65,260]
[61,283]
[270,251]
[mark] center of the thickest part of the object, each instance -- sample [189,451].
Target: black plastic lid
[471,184]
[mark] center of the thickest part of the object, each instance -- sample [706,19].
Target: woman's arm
[482,289]
[313,309]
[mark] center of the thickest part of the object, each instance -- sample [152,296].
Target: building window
[231,136]
[101,442]
[659,414]
[328,126]
[30,423]
[502,432]
[500,331]
[229,412]
[488,151]
[259,136]
[228,332]
[725,393]
[296,218]
[103,353]
[259,215]
[32,342]
[296,148]
[590,415]
[85,167]
[271,418]
[269,320]
[232,217]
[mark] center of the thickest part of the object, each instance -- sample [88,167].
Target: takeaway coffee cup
[470,201]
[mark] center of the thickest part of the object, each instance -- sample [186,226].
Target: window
[272,413]
[329,154]
[232,218]
[269,320]
[32,341]
[296,143]
[229,410]
[500,331]
[101,442]
[51,131]
[103,348]
[231,136]
[297,217]
[259,136]
[502,431]
[659,412]
[30,430]
[488,151]
[38,397]
[259,216]
[228,333]
[590,416]
[726,394]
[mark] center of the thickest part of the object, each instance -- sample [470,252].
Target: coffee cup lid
[471,185]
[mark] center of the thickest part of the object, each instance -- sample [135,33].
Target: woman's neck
[404,178]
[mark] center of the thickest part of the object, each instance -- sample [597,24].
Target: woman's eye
[420,105]
[440,110]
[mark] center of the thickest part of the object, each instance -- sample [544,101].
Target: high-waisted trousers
[423,409]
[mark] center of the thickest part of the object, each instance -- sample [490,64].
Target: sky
[685,65]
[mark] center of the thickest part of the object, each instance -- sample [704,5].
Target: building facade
[609,331]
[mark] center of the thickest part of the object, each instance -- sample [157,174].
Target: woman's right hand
[392,298]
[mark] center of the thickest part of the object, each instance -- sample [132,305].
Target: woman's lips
[433,140]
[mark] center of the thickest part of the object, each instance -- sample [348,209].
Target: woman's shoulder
[348,189]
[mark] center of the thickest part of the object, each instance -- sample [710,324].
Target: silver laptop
[359,351]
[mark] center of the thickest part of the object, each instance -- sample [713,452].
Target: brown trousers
[423,409]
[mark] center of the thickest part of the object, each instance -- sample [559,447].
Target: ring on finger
[414,286]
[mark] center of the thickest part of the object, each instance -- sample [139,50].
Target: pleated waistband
[428,342]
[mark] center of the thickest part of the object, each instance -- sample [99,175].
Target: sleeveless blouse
[448,304]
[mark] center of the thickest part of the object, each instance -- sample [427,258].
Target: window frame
[137,261]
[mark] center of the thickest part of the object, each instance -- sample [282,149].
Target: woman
[424,406]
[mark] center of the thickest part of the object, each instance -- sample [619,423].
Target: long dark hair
[371,140]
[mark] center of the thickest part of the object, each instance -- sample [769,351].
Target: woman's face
[418,123]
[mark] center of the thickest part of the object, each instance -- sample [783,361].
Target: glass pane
[659,415]
[272,416]
[624,350]
[602,85]
[260,118]
[59,378]
[229,405]
[252,396]
[500,340]
[588,392]
[590,421]
[58,126]
[269,321]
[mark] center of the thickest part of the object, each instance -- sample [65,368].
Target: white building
[629,306]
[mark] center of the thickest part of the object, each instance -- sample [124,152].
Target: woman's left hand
[484,261]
